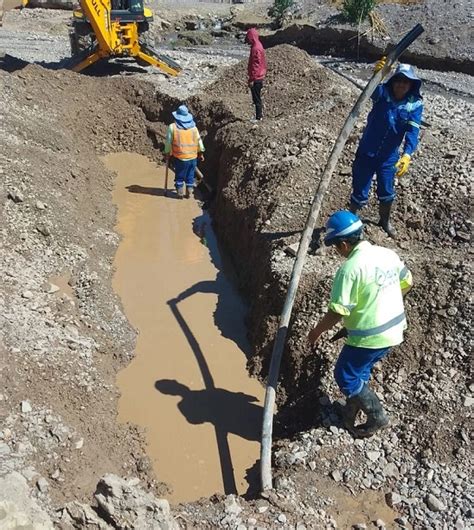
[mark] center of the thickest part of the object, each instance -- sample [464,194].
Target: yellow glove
[380,64]
[402,165]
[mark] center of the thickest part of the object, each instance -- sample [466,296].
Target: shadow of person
[147,190]
[228,412]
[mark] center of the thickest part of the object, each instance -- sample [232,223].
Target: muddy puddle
[187,385]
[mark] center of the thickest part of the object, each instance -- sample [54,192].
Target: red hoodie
[257,63]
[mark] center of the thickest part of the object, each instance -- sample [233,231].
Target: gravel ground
[64,334]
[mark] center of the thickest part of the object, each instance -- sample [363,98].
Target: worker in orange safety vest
[183,143]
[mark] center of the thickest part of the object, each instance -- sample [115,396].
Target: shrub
[356,11]
[278,10]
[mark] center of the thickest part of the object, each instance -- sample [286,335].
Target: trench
[187,384]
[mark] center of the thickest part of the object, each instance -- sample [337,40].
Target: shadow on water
[229,412]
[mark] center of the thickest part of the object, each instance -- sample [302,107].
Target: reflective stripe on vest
[379,329]
[185,144]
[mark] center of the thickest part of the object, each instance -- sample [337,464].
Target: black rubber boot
[347,411]
[353,207]
[384,210]
[368,401]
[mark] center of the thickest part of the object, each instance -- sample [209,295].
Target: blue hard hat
[340,225]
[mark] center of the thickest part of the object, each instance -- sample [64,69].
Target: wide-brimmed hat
[406,70]
[183,115]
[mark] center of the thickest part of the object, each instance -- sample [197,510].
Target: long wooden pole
[270,396]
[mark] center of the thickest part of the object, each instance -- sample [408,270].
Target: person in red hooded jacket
[257,70]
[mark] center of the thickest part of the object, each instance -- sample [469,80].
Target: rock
[42,484]
[77,515]
[26,407]
[56,474]
[18,509]
[292,250]
[232,507]
[281,518]
[391,470]
[51,289]
[126,505]
[393,498]
[4,449]
[312,465]
[359,526]
[40,205]
[262,509]
[379,523]
[79,444]
[434,504]
[43,229]
[15,196]
[468,401]
[373,456]
[336,475]
[28,295]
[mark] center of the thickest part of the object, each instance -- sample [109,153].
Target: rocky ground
[63,459]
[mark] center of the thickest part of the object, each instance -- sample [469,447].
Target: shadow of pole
[227,469]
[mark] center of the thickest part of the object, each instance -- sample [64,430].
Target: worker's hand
[402,165]
[201,157]
[379,65]
[313,335]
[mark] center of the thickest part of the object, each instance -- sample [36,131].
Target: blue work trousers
[363,170]
[353,367]
[184,171]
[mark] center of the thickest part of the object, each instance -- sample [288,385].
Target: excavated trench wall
[264,177]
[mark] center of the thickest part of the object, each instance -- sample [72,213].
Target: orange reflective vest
[185,144]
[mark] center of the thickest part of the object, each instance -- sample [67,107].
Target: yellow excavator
[102,29]
[115,28]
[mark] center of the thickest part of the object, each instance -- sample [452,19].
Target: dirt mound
[64,336]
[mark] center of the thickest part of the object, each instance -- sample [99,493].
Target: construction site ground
[66,460]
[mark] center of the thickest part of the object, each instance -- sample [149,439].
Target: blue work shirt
[390,122]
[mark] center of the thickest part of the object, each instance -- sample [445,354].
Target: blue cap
[341,225]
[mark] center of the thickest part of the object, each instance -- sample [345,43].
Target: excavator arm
[115,38]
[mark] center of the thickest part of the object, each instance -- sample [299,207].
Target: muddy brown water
[187,384]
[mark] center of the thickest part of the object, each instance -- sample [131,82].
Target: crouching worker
[184,144]
[367,295]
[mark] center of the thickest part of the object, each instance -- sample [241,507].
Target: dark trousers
[256,90]
[363,170]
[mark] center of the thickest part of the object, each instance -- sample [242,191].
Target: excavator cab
[115,28]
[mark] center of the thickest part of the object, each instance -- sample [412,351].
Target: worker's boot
[347,411]
[353,207]
[180,192]
[368,401]
[189,192]
[384,210]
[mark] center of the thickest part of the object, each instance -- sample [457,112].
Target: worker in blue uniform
[394,120]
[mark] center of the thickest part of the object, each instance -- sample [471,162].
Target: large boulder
[127,506]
